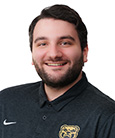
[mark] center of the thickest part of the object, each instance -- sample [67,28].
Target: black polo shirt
[82,112]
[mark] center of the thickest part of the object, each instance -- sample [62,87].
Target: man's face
[56,52]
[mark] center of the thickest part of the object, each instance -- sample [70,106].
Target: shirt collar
[42,96]
[69,95]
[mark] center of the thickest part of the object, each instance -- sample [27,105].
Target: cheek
[74,55]
[38,55]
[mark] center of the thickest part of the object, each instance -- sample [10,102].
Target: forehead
[53,27]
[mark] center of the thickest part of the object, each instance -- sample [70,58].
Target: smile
[56,64]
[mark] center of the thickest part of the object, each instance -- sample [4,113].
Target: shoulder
[17,91]
[99,101]
[22,88]
[98,95]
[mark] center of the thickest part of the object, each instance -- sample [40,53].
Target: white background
[15,55]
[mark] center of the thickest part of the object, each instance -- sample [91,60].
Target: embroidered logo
[69,131]
[8,123]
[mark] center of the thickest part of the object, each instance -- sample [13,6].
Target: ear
[85,54]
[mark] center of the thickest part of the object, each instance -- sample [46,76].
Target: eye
[41,44]
[65,43]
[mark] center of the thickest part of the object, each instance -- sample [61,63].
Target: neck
[53,93]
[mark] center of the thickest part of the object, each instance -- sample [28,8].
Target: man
[64,104]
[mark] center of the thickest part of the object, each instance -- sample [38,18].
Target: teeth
[53,64]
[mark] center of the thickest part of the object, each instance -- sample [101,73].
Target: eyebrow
[67,37]
[40,38]
[62,37]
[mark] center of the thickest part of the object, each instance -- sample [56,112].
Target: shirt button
[49,105]
[44,117]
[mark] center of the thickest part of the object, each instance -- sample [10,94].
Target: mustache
[56,59]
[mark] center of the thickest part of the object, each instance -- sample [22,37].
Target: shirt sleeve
[108,129]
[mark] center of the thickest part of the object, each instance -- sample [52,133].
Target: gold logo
[69,131]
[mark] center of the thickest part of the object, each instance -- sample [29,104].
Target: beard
[67,78]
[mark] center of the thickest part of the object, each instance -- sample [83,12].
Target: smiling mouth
[56,64]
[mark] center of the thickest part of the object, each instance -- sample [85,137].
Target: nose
[54,52]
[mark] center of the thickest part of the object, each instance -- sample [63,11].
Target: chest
[31,121]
